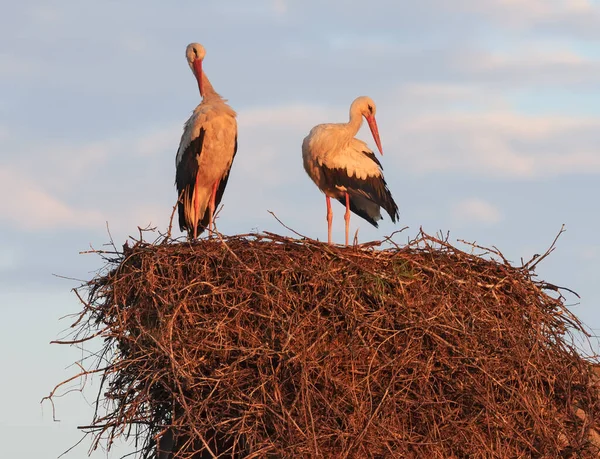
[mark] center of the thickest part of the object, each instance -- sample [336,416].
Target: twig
[548,252]
[168,236]
[556,288]
[287,227]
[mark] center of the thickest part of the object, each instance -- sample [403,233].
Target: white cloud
[526,58]
[158,141]
[590,252]
[45,14]
[538,64]
[279,6]
[497,144]
[8,258]
[294,116]
[27,206]
[60,166]
[370,45]
[530,13]
[4,133]
[478,211]
[418,97]
[271,141]
[12,66]
[135,44]
[126,217]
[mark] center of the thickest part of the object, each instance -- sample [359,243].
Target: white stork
[206,151]
[344,168]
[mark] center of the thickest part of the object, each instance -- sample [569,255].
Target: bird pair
[343,167]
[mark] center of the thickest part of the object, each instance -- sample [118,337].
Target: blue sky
[488,111]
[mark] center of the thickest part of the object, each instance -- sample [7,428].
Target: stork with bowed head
[206,152]
[346,169]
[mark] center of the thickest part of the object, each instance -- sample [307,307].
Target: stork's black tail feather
[367,200]
[369,209]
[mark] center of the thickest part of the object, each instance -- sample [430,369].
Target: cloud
[27,206]
[280,7]
[294,116]
[441,96]
[12,67]
[270,141]
[590,252]
[158,141]
[529,66]
[476,210]
[8,258]
[44,15]
[501,144]
[575,17]
[61,184]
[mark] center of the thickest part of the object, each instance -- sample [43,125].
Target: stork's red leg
[347,216]
[211,206]
[329,218]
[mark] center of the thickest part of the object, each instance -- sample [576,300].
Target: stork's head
[366,107]
[195,53]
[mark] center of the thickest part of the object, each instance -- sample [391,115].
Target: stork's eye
[195,52]
[370,109]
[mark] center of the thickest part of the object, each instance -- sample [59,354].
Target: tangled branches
[264,346]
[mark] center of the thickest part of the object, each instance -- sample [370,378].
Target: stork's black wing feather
[185,176]
[359,211]
[373,188]
[373,158]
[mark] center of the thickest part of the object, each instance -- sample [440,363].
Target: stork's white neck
[355,121]
[208,92]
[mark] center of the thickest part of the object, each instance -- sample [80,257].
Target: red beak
[374,131]
[198,73]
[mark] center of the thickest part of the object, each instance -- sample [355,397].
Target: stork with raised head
[206,151]
[346,169]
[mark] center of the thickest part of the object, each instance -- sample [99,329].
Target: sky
[488,111]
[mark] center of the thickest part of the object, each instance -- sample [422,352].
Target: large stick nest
[264,346]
